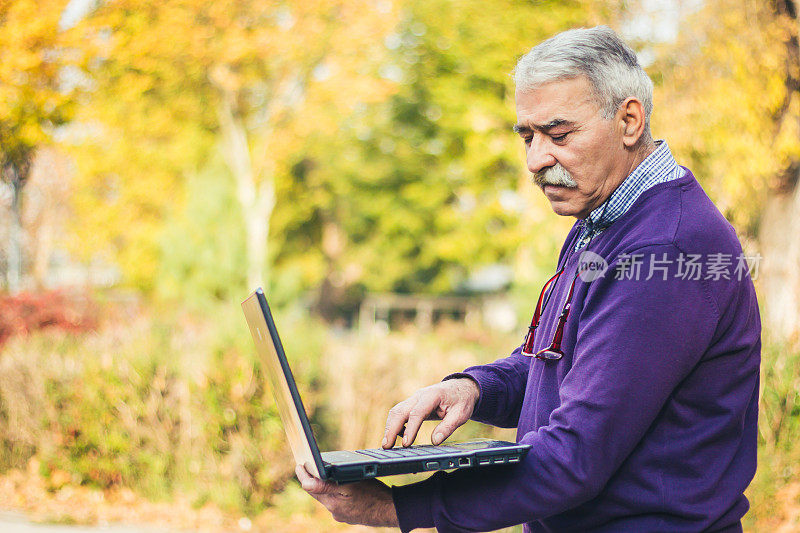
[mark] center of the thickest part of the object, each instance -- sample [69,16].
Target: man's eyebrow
[554,124]
[520,128]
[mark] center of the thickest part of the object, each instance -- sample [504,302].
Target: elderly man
[636,385]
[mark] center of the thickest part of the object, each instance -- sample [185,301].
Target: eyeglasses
[552,352]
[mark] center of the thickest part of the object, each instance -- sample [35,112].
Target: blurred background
[160,160]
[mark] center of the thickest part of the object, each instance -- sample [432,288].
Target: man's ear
[632,120]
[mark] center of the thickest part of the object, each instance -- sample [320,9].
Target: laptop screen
[290,406]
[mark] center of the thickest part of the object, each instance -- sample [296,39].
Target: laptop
[356,465]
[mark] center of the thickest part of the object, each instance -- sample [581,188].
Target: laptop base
[349,466]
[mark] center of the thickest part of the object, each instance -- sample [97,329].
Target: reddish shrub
[26,312]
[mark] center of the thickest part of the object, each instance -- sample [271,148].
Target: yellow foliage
[721,102]
[32,50]
[167,72]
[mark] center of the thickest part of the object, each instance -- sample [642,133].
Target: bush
[773,492]
[26,313]
[160,403]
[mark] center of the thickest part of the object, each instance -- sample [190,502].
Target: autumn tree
[422,189]
[177,80]
[35,98]
[369,143]
[728,104]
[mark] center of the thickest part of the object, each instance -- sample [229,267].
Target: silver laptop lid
[276,367]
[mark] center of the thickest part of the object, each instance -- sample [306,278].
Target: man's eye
[527,139]
[559,138]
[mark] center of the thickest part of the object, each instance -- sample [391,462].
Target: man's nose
[538,154]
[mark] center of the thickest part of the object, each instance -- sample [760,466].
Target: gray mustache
[555,175]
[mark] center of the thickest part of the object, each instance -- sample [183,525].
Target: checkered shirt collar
[658,167]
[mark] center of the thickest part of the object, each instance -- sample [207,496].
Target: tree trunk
[49,185]
[779,275]
[14,272]
[257,211]
[333,288]
[16,176]
[256,200]
[42,252]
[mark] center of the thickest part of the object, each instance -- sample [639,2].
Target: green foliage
[779,434]
[424,187]
[779,423]
[202,246]
[395,170]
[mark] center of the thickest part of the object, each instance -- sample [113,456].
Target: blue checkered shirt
[656,168]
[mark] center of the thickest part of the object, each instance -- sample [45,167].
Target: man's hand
[367,502]
[450,401]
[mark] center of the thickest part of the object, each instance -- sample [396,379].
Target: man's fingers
[429,403]
[454,418]
[424,406]
[395,422]
[312,485]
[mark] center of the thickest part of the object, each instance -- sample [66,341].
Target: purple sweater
[648,423]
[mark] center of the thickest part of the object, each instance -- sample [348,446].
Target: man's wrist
[468,382]
[470,389]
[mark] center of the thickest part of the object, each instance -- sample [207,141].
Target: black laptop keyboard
[413,451]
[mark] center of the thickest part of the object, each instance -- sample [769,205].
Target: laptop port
[464,461]
[498,460]
[370,470]
[513,459]
[484,461]
[431,465]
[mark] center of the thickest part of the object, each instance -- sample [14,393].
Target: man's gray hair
[597,53]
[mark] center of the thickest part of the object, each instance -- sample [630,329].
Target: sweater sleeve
[637,340]
[502,388]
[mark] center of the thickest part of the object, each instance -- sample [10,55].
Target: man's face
[576,156]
